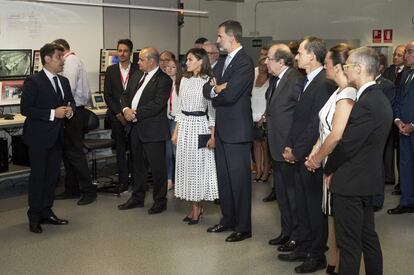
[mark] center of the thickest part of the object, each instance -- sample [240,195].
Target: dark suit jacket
[305,127]
[357,160]
[113,88]
[387,87]
[152,106]
[404,103]
[280,107]
[389,73]
[38,98]
[234,122]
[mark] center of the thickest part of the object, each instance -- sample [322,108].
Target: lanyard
[124,81]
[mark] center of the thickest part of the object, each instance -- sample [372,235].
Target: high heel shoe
[258,177]
[265,179]
[186,219]
[191,222]
[330,269]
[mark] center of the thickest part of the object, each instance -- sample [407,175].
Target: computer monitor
[11,91]
[37,63]
[15,63]
[98,101]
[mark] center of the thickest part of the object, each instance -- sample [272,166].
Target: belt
[196,113]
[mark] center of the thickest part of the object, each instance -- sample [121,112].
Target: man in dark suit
[144,104]
[354,168]
[285,86]
[388,89]
[46,102]
[116,80]
[312,223]
[404,119]
[230,91]
[78,180]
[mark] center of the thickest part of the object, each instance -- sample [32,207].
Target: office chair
[93,144]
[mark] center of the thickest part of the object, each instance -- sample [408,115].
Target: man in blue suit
[404,119]
[230,91]
[46,102]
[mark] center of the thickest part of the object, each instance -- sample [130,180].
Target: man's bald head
[148,59]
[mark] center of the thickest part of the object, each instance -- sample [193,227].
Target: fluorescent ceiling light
[111,5]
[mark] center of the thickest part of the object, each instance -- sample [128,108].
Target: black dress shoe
[35,227]
[390,182]
[217,202]
[87,199]
[66,196]
[396,192]
[292,257]
[311,265]
[279,240]
[155,209]
[218,228]
[238,236]
[54,220]
[290,246]
[270,197]
[131,203]
[400,210]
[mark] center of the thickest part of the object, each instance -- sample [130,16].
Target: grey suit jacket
[280,107]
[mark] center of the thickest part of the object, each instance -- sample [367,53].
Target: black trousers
[77,175]
[44,176]
[284,182]
[119,136]
[312,223]
[152,153]
[234,184]
[355,235]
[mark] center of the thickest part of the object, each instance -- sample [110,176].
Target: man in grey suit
[282,97]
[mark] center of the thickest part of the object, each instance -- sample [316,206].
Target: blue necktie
[305,81]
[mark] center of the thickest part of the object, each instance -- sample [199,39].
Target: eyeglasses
[212,53]
[346,66]
[409,51]
[269,58]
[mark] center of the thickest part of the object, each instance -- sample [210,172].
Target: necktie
[58,91]
[226,63]
[305,81]
[408,81]
[142,80]
[272,91]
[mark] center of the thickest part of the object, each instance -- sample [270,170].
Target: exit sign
[257,43]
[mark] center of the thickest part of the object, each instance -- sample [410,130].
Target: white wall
[205,26]
[31,25]
[330,19]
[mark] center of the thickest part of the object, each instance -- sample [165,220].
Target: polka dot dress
[195,175]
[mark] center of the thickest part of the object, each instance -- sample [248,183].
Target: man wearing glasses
[212,51]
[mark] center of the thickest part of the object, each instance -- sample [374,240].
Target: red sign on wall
[376,36]
[388,36]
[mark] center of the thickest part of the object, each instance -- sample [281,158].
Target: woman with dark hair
[173,70]
[196,176]
[260,148]
[333,118]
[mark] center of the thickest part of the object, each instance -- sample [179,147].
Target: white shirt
[363,88]
[259,100]
[138,94]
[124,75]
[51,76]
[75,71]
[172,103]
[311,76]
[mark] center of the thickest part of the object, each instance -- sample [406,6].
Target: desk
[19,119]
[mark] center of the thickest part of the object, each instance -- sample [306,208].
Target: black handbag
[203,140]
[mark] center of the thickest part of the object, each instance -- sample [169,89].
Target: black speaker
[20,154]
[4,155]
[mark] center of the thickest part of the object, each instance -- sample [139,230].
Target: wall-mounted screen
[15,63]
[108,57]
[11,91]
[37,63]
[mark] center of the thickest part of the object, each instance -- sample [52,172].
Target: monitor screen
[11,91]
[109,57]
[37,63]
[15,63]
